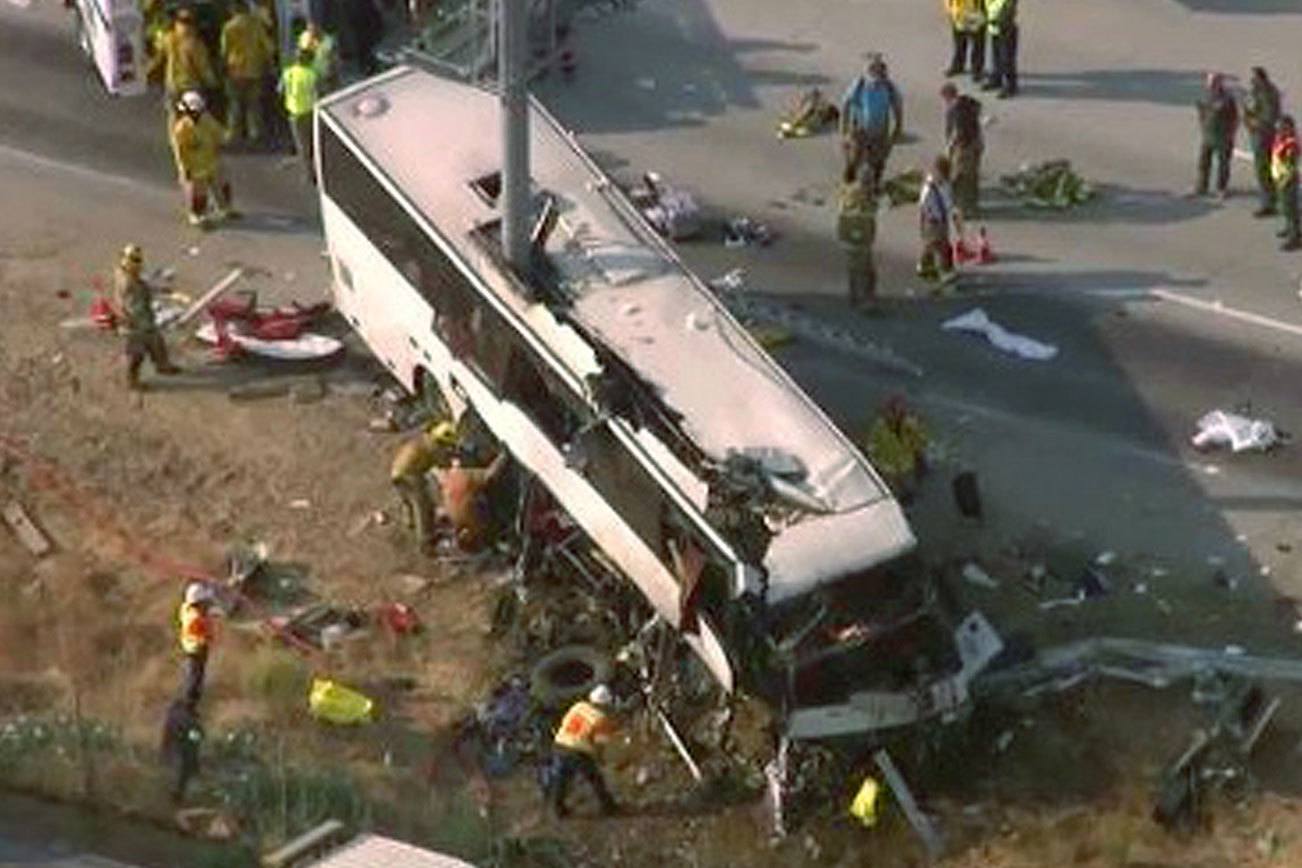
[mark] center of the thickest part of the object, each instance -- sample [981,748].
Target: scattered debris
[977,321]
[207,823]
[258,390]
[1004,740]
[1105,558]
[300,503]
[809,114]
[334,703]
[31,536]
[1240,433]
[974,575]
[744,232]
[1051,184]
[921,823]
[1093,583]
[864,806]
[317,626]
[209,297]
[673,212]
[398,617]
[904,188]
[307,346]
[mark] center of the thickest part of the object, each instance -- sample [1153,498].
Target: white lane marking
[1214,307]
[70,168]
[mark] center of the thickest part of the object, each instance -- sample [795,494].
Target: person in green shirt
[1260,115]
[298,88]
[856,229]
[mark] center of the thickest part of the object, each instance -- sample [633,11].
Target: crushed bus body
[619,381]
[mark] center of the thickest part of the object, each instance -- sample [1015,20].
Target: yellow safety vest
[299,85]
[965,15]
[194,629]
[1283,160]
[583,726]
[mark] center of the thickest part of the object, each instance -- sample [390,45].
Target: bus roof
[433,136]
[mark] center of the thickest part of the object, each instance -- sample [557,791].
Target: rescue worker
[298,87]
[897,445]
[967,21]
[1218,120]
[195,633]
[182,61]
[1001,21]
[936,212]
[872,118]
[856,229]
[197,142]
[413,461]
[325,56]
[964,145]
[1283,170]
[1260,116]
[585,728]
[465,499]
[248,54]
[134,300]
[182,737]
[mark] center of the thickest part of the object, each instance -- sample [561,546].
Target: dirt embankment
[139,492]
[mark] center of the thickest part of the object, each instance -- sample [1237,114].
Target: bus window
[354,189]
[626,485]
[526,386]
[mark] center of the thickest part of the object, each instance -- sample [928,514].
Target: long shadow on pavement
[1165,86]
[687,69]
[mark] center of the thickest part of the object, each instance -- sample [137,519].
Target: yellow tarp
[864,806]
[334,703]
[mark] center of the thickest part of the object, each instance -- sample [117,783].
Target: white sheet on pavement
[1240,433]
[977,321]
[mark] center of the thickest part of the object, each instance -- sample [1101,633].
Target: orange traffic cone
[102,314]
[963,253]
[985,255]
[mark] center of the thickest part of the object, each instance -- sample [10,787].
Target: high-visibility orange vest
[583,727]
[195,629]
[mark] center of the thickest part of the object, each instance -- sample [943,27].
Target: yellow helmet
[132,254]
[443,433]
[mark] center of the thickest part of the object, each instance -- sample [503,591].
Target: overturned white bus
[618,380]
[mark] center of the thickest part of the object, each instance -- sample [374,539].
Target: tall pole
[512,55]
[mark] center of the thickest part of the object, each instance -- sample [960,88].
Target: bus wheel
[567,674]
[430,396]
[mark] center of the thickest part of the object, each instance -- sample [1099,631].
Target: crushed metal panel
[374,851]
[825,548]
[31,536]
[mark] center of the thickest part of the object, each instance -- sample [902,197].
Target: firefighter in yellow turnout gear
[435,446]
[897,445]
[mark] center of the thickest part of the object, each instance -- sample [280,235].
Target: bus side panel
[372,295]
[115,40]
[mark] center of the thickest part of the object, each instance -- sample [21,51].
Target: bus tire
[567,674]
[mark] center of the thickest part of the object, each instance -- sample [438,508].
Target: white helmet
[600,695]
[192,101]
[197,592]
